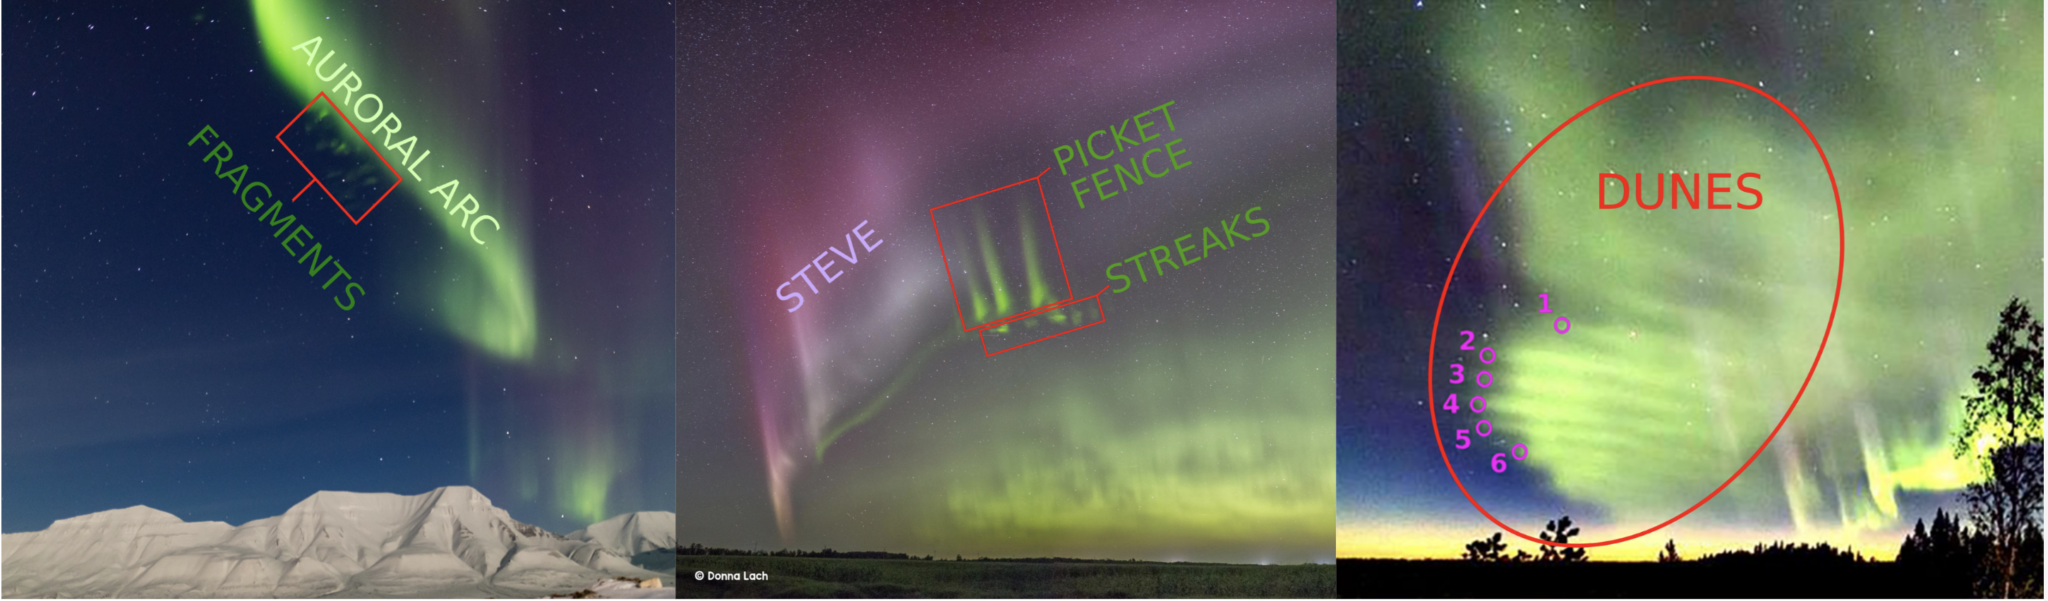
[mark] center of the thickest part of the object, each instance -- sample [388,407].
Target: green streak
[993,263]
[979,300]
[1040,294]
[582,476]
[905,374]
[474,410]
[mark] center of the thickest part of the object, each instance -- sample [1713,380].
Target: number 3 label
[1457,373]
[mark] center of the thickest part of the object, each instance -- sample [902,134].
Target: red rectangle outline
[359,135]
[1035,312]
[1104,316]
[1061,256]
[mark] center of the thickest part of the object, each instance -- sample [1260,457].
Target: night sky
[1194,424]
[1690,329]
[163,350]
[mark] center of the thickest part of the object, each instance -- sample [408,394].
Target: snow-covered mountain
[449,542]
[646,539]
[630,534]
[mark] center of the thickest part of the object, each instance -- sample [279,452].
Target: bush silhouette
[1486,549]
[1670,552]
[1561,531]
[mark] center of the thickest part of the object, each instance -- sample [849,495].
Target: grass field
[854,578]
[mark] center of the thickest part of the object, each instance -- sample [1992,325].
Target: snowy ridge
[450,541]
[630,534]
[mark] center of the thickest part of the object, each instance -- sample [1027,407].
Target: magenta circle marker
[1443,295]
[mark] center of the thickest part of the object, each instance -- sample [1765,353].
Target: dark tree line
[1780,553]
[1958,560]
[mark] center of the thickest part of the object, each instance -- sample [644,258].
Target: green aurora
[494,310]
[481,294]
[1190,439]
[1692,329]
[983,302]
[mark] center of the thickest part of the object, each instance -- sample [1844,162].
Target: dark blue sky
[1410,185]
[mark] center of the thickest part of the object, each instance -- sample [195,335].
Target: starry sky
[1194,424]
[1690,329]
[164,351]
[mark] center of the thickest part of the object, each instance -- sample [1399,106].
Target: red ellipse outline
[1842,249]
